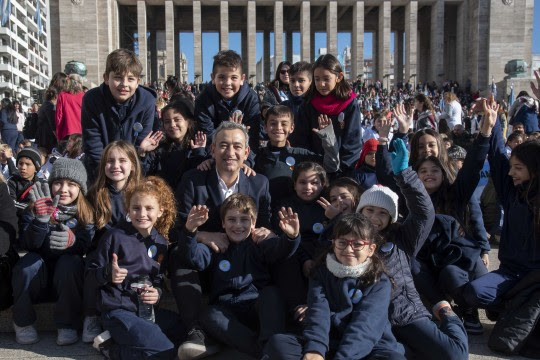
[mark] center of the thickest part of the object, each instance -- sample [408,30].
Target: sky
[210,44]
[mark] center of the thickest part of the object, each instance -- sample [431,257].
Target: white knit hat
[380,196]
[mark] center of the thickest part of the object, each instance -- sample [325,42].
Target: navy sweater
[103,121]
[242,270]
[139,255]
[349,326]
[211,110]
[301,134]
[519,250]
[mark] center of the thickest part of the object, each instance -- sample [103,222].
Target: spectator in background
[8,122]
[46,128]
[68,109]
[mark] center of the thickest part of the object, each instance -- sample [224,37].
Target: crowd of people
[311,217]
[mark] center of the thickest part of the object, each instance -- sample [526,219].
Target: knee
[69,268]
[470,295]
[27,267]
[274,348]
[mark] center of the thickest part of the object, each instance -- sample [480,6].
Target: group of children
[310,240]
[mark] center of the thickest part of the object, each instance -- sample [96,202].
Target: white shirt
[227,191]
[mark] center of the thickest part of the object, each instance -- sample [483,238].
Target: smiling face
[427,146]
[238,225]
[144,211]
[229,151]
[278,129]
[325,80]
[308,186]
[284,74]
[122,86]
[431,175]
[518,171]
[228,81]
[118,167]
[175,125]
[67,189]
[377,216]
[351,250]
[300,83]
[26,168]
[341,198]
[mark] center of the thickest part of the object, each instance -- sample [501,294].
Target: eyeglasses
[284,72]
[341,244]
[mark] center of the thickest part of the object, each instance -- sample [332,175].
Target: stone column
[383,40]
[197,42]
[436,66]
[223,25]
[289,55]
[170,49]
[357,40]
[305,32]
[177,70]
[278,33]
[374,55]
[331,28]
[266,57]
[398,57]
[141,33]
[411,32]
[251,33]
[462,40]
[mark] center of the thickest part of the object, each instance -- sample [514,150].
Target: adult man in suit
[229,150]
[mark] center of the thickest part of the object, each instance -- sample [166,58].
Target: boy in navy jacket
[119,109]
[229,98]
[240,295]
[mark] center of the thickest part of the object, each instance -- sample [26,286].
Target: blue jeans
[424,340]
[136,338]
[35,280]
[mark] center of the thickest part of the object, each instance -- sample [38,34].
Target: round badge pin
[224,265]
[341,117]
[318,228]
[355,295]
[387,247]
[138,127]
[152,251]
[290,161]
[71,223]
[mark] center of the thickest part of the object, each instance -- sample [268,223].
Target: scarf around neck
[330,104]
[342,271]
[65,212]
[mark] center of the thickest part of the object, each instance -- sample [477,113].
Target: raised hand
[384,129]
[330,211]
[61,239]
[491,109]
[151,141]
[536,88]
[199,141]
[118,274]
[324,122]
[197,216]
[400,157]
[44,206]
[289,222]
[403,119]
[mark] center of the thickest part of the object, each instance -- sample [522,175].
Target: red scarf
[330,104]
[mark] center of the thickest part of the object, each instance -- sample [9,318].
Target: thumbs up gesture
[118,273]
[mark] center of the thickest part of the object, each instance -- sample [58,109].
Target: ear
[340,77]
[247,151]
[106,79]
[213,150]
[243,78]
[160,212]
[371,249]
[213,76]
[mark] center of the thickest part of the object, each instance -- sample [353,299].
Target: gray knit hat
[457,152]
[32,154]
[380,196]
[72,169]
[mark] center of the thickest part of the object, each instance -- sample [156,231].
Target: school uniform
[133,336]
[302,132]
[365,175]
[44,274]
[9,168]
[344,320]
[240,295]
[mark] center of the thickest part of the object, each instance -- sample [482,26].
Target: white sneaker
[91,329]
[67,337]
[26,335]
[101,340]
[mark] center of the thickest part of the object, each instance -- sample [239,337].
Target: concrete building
[24,51]
[438,39]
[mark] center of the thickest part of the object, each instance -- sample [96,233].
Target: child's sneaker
[91,329]
[102,343]
[471,322]
[26,335]
[442,309]
[67,337]
[197,346]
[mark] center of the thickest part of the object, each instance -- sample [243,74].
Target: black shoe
[197,346]
[103,343]
[472,323]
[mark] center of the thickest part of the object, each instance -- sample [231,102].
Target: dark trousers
[136,338]
[292,284]
[90,293]
[35,280]
[249,325]
[290,347]
[424,340]
[487,290]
